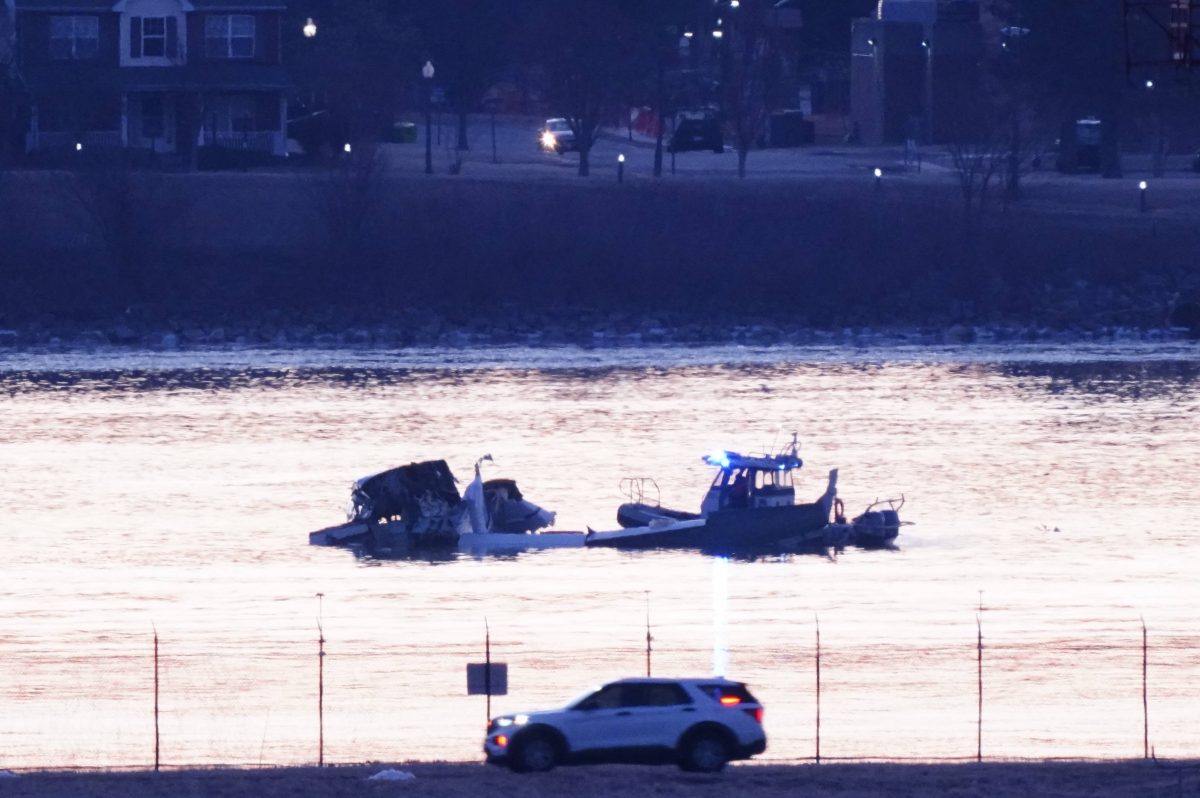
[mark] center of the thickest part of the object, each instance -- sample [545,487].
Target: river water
[1052,492]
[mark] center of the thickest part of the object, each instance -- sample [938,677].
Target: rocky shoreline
[583,329]
[1064,779]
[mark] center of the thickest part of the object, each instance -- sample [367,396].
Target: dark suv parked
[696,130]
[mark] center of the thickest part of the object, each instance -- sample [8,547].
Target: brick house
[159,75]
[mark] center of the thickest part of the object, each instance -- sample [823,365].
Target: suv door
[600,721]
[631,715]
[662,712]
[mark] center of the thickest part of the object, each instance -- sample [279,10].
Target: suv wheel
[536,754]
[704,753]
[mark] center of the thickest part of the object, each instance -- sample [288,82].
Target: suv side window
[663,695]
[608,697]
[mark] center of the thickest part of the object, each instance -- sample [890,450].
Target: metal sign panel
[479,683]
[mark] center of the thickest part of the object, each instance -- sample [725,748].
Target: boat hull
[635,514]
[478,544]
[728,532]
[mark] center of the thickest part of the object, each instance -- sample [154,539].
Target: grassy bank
[319,248]
[998,780]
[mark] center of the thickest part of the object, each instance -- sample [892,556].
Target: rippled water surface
[1053,494]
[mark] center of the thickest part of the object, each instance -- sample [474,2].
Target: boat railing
[637,490]
[893,504]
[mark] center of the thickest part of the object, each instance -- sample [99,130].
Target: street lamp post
[427,74]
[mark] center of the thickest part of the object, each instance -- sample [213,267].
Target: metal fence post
[1145,695]
[979,674]
[156,729]
[320,683]
[817,621]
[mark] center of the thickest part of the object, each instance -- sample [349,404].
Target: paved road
[518,157]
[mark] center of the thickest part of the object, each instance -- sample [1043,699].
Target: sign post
[487,678]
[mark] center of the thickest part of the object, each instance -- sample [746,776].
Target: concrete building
[915,68]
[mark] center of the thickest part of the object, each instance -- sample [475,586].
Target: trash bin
[788,129]
[402,133]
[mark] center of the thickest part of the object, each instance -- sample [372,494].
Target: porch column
[124,120]
[281,138]
[31,135]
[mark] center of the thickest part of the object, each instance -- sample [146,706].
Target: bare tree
[468,42]
[589,63]
[346,198]
[977,153]
[749,67]
[131,210]
[661,26]
[9,99]
[356,68]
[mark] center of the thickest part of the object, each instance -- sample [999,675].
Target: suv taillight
[756,713]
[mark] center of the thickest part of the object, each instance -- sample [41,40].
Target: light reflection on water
[175,491]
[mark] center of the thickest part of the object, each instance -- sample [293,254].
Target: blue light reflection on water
[720,610]
[175,490]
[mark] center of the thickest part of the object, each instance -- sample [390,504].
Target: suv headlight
[510,720]
[548,140]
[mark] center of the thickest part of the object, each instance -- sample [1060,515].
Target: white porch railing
[91,138]
[258,140]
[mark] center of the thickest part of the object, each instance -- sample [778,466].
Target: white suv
[699,724]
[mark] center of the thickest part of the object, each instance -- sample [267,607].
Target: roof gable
[96,6]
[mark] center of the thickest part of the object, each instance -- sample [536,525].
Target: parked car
[556,136]
[698,724]
[696,130]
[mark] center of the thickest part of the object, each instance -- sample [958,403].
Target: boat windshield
[767,480]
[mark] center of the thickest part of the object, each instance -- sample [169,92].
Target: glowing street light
[1142,186]
[878,178]
[621,168]
[310,28]
[427,74]
[346,148]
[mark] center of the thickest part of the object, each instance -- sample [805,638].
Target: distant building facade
[158,75]
[915,66]
[6,33]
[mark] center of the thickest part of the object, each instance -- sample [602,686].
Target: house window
[153,37]
[229,36]
[74,38]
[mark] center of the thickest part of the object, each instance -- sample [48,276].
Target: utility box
[1079,146]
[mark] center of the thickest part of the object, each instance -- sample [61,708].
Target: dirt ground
[989,780]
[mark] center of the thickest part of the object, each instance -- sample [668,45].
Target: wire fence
[163,700]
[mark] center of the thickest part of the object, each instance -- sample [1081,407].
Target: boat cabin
[745,483]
